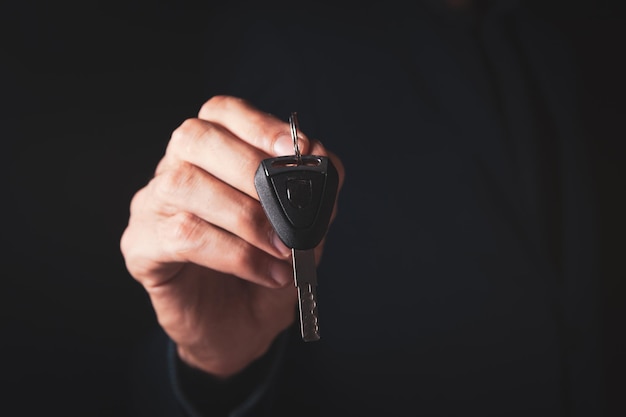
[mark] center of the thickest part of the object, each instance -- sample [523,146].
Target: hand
[198,241]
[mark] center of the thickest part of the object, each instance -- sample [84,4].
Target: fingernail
[281,273]
[283,146]
[280,246]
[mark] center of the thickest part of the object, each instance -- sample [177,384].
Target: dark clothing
[459,276]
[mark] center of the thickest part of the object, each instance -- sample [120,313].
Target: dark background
[90,93]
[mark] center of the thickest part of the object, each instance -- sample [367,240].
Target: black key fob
[298,196]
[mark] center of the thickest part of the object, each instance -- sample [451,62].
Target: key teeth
[310,334]
[311,338]
[309,326]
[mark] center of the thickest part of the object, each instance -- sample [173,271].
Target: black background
[91,91]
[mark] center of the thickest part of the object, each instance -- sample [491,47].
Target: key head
[298,197]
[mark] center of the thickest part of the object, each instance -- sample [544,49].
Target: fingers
[156,245]
[187,188]
[231,137]
[187,238]
[259,129]
[217,151]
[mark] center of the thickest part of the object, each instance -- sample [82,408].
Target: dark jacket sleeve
[163,385]
[245,394]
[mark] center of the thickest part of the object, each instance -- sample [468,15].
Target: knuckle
[137,201]
[184,136]
[192,137]
[254,262]
[174,181]
[138,269]
[125,245]
[181,233]
[132,253]
[242,255]
[219,101]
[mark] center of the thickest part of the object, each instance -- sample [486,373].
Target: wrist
[220,366]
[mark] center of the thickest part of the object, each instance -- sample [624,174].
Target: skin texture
[198,241]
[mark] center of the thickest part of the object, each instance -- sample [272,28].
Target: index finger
[261,130]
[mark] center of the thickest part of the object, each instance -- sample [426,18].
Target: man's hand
[199,242]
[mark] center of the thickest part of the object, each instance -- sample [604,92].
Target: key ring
[293,124]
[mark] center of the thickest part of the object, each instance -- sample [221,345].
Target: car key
[298,194]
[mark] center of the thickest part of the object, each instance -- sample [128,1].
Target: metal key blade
[305,277]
